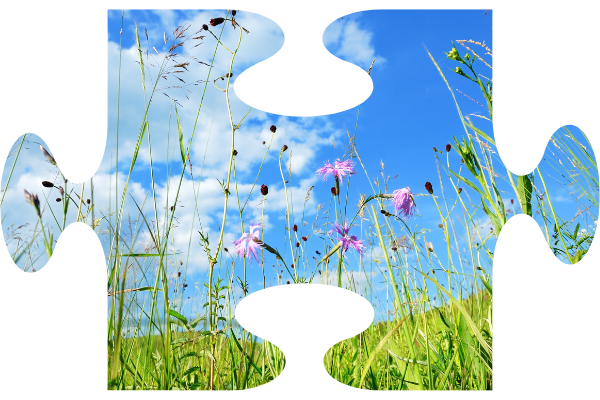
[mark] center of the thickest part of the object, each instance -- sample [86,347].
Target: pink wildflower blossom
[403,202]
[339,169]
[249,243]
[345,238]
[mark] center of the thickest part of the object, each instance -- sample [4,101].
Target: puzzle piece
[167,207]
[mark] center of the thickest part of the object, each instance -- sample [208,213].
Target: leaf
[191,370]
[468,182]
[180,317]
[181,146]
[500,203]
[487,285]
[524,189]
[493,217]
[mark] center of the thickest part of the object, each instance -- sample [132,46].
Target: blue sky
[410,111]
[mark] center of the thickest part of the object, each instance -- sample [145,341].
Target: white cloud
[349,41]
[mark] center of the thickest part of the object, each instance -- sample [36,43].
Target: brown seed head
[264,190]
[305,238]
[292,266]
[58,199]
[235,153]
[88,201]
[440,226]
[273,128]
[434,149]
[295,228]
[334,191]
[205,27]
[233,12]
[297,244]
[284,148]
[47,184]
[459,190]
[448,148]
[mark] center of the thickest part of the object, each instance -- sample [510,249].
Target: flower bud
[429,187]
[216,21]
[48,156]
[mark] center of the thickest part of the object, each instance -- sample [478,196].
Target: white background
[53,340]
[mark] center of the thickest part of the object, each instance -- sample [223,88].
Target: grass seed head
[273,128]
[264,190]
[47,184]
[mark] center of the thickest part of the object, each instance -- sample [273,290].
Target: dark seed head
[292,266]
[233,12]
[318,252]
[429,187]
[297,244]
[226,249]
[264,142]
[459,190]
[216,21]
[58,199]
[434,149]
[512,201]
[334,191]
[88,201]
[235,152]
[462,160]
[264,190]
[185,285]
[305,238]
[205,27]
[179,274]
[295,228]
[47,184]
[288,282]
[273,128]
[284,148]
[171,208]
[448,148]
[228,75]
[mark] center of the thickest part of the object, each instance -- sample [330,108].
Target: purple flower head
[403,202]
[345,237]
[249,243]
[339,169]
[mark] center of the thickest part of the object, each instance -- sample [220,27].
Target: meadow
[429,276]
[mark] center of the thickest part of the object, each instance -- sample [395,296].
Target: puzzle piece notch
[303,69]
[304,321]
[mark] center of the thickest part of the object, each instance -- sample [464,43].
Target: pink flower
[249,243]
[339,169]
[345,238]
[403,202]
